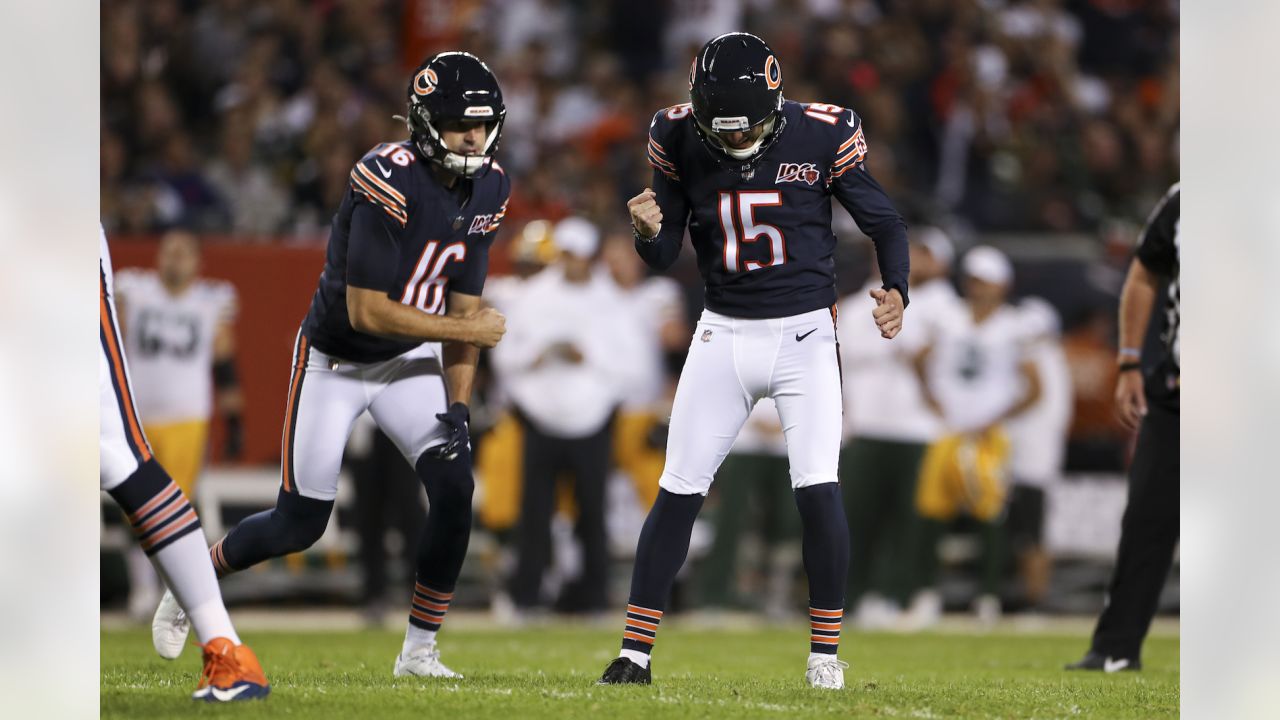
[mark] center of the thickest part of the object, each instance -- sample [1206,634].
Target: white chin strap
[749,151]
[466,165]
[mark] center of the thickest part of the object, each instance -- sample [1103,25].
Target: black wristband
[1128,366]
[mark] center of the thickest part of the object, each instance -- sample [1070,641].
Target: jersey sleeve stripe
[656,145]
[664,170]
[852,139]
[386,187]
[497,217]
[851,157]
[360,186]
[362,180]
[661,161]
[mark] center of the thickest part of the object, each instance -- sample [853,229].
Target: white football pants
[732,363]
[326,395]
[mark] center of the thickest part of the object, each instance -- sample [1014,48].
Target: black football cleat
[625,672]
[1097,661]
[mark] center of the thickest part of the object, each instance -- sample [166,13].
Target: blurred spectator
[655,315]
[257,204]
[179,332]
[566,359]
[880,461]
[1017,115]
[1039,440]
[978,376]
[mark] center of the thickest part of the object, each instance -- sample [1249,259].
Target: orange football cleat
[231,672]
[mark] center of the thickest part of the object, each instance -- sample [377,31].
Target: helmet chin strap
[456,163]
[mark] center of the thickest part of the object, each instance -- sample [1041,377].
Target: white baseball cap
[988,264]
[937,243]
[576,236]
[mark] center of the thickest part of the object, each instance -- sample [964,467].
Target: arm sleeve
[373,248]
[660,252]
[1155,245]
[864,198]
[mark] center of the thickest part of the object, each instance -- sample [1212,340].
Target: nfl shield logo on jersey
[798,172]
[706,336]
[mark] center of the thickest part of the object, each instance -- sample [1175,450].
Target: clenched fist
[487,327]
[646,216]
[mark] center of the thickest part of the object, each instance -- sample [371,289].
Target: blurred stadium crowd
[1033,120]
[245,116]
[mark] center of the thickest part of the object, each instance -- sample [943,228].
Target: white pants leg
[806,387]
[718,386]
[122,446]
[734,362]
[410,391]
[326,396]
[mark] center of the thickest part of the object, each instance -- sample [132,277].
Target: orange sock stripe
[219,561]
[151,504]
[178,525]
[158,517]
[431,606]
[425,617]
[824,640]
[642,624]
[654,614]
[636,636]
[433,594]
[825,626]
[826,613]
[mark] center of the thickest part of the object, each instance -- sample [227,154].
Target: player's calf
[441,551]
[293,525]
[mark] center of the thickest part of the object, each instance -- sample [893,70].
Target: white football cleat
[826,672]
[423,661]
[169,627]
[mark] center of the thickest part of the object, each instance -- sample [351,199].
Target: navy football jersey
[398,230]
[764,241]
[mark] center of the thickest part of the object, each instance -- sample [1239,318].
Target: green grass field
[549,673]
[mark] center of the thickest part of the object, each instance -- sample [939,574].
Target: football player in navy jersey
[751,176]
[394,328]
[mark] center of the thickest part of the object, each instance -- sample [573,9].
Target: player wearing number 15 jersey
[751,176]
[395,329]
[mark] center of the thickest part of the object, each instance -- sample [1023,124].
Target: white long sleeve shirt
[560,398]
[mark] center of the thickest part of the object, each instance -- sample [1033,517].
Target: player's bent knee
[450,483]
[303,520]
[813,479]
[677,485]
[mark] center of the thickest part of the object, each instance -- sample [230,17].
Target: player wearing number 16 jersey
[395,328]
[751,176]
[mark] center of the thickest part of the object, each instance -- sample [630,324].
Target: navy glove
[456,420]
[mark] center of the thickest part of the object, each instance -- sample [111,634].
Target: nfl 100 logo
[798,172]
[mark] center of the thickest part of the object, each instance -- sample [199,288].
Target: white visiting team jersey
[651,304]
[169,341]
[974,369]
[882,396]
[1039,435]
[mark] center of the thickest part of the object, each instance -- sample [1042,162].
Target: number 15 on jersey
[738,223]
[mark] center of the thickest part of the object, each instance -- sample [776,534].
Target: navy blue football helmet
[454,86]
[735,85]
